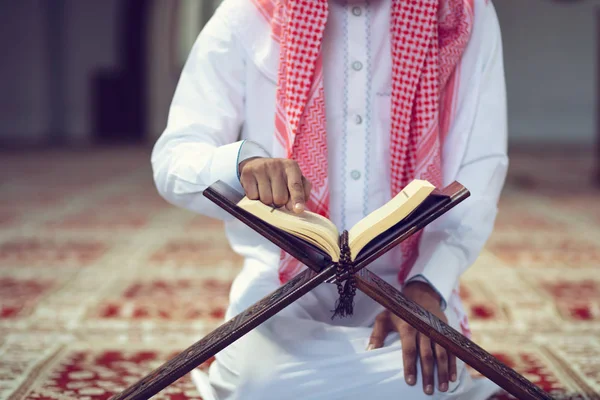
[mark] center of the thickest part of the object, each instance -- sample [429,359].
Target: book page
[308,226]
[388,215]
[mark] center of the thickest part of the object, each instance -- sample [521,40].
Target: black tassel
[344,306]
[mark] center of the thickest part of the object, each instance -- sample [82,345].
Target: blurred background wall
[89,71]
[550,51]
[52,50]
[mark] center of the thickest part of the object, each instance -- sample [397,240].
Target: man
[334,106]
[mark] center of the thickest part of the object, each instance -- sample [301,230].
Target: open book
[322,233]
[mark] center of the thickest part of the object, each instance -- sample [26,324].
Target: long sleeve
[200,144]
[453,243]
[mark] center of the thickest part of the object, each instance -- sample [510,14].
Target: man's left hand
[416,345]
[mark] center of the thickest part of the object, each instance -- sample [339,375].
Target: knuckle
[381,318]
[427,357]
[258,168]
[266,198]
[408,328]
[292,164]
[406,331]
[410,352]
[279,200]
[271,167]
[376,338]
[248,187]
[246,173]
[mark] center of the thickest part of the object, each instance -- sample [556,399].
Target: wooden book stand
[322,269]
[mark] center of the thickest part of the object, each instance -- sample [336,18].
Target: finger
[441,361]
[264,187]
[295,187]
[279,188]
[307,188]
[427,363]
[380,331]
[452,368]
[289,205]
[408,338]
[250,185]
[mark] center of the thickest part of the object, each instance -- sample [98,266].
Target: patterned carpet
[101,280]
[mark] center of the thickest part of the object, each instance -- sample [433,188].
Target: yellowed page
[388,215]
[322,232]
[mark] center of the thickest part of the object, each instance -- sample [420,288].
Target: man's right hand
[275,181]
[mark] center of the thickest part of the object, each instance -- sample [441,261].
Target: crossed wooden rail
[321,270]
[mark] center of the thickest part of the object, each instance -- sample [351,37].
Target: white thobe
[223,111]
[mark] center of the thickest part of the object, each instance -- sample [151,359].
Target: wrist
[424,289]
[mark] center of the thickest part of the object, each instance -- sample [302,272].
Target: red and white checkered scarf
[428,40]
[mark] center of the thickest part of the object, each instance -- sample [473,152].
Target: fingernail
[429,389]
[410,380]
[371,346]
[453,378]
[444,387]
[299,207]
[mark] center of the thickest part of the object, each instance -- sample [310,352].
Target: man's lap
[327,372]
[301,347]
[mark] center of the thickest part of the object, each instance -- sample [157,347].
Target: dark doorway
[119,98]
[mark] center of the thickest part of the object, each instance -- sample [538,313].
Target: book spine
[345,281]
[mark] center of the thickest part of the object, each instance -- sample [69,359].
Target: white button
[355,175]
[357,65]
[356,11]
[358,119]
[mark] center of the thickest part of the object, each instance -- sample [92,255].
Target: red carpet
[101,281]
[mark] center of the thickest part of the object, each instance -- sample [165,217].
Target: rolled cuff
[421,278]
[224,165]
[440,266]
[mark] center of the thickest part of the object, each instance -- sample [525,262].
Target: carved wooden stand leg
[224,335]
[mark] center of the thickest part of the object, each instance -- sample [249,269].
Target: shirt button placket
[354,160]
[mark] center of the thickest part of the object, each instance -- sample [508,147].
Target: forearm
[184,167]
[201,143]
[182,170]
